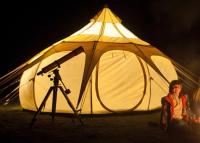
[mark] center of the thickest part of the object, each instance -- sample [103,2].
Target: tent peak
[105,26]
[106,15]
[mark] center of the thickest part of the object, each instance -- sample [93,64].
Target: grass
[129,128]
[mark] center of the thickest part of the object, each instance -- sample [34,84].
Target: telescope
[56,86]
[58,62]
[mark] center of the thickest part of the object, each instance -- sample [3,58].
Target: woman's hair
[174,82]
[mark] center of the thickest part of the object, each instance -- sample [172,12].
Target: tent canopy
[116,72]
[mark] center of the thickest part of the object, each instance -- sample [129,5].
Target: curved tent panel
[117,86]
[90,103]
[165,66]
[157,87]
[26,90]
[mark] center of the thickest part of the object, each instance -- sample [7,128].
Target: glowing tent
[116,72]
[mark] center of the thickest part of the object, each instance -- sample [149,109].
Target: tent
[116,71]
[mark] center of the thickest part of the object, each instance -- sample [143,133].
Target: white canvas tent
[117,72]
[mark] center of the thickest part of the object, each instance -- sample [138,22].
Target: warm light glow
[163,64]
[34,58]
[111,31]
[94,29]
[83,29]
[125,31]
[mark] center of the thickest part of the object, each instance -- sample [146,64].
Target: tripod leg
[54,102]
[70,104]
[41,105]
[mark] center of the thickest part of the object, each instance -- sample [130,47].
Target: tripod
[54,89]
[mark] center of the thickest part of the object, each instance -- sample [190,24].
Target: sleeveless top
[178,106]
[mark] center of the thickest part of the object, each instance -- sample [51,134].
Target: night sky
[29,27]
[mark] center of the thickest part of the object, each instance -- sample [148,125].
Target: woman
[175,107]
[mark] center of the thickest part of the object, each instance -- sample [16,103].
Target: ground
[130,128]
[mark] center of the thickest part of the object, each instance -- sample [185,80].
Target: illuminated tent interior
[116,71]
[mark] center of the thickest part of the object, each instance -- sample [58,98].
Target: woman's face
[176,89]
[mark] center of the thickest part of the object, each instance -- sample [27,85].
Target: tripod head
[58,78]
